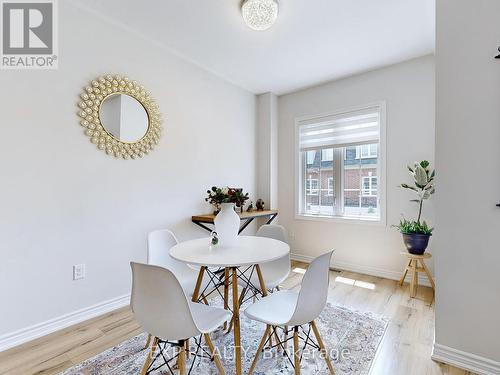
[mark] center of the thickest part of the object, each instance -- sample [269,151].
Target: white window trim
[314,192]
[298,188]
[359,153]
[327,159]
[370,189]
[330,190]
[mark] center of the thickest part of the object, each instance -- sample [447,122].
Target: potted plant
[218,196]
[238,197]
[416,233]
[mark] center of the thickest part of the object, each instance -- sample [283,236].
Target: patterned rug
[352,339]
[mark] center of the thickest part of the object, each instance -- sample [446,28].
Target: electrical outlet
[78,271]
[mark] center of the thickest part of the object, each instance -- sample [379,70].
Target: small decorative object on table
[250,207]
[416,234]
[214,239]
[259,204]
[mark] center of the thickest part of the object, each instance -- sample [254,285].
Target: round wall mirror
[120,117]
[124,117]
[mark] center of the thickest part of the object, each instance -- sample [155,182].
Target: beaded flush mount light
[259,14]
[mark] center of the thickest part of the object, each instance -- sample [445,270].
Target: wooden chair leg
[236,323]
[276,337]
[322,347]
[186,348]
[148,341]
[217,361]
[242,296]
[149,357]
[226,292]
[414,279]
[296,356]
[259,350]
[199,281]
[261,280]
[285,336]
[182,358]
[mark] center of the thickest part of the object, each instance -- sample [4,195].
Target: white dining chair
[159,244]
[287,308]
[275,272]
[162,308]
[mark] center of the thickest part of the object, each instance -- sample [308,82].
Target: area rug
[352,339]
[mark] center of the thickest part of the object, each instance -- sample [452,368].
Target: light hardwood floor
[405,349]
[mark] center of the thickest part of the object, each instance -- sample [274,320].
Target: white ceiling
[313,40]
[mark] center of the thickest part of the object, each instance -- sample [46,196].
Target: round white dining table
[248,251]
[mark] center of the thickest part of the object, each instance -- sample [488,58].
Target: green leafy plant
[411,226]
[217,196]
[423,187]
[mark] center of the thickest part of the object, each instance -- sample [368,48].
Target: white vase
[227,224]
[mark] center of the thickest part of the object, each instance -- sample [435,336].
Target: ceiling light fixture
[259,14]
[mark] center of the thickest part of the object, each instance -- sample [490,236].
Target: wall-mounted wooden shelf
[246,217]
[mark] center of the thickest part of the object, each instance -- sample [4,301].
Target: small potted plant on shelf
[238,197]
[416,233]
[218,196]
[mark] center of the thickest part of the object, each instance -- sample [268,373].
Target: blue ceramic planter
[416,243]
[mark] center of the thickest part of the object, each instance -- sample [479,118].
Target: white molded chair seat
[208,318]
[276,309]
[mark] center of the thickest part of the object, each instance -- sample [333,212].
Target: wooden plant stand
[414,267]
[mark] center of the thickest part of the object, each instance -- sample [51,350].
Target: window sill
[341,219]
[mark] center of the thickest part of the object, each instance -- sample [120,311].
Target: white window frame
[312,192]
[339,158]
[322,153]
[370,186]
[371,155]
[330,186]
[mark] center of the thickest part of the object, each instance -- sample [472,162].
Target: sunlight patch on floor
[353,282]
[302,271]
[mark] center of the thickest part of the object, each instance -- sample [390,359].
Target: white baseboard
[464,360]
[367,270]
[23,335]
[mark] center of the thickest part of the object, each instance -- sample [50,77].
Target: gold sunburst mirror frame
[90,112]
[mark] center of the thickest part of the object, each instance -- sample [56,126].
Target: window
[369,185]
[312,186]
[330,186]
[327,154]
[340,165]
[366,151]
[311,156]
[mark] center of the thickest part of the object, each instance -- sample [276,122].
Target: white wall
[63,202]
[267,149]
[468,161]
[408,89]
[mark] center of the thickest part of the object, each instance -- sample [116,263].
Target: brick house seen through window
[339,165]
[360,192]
